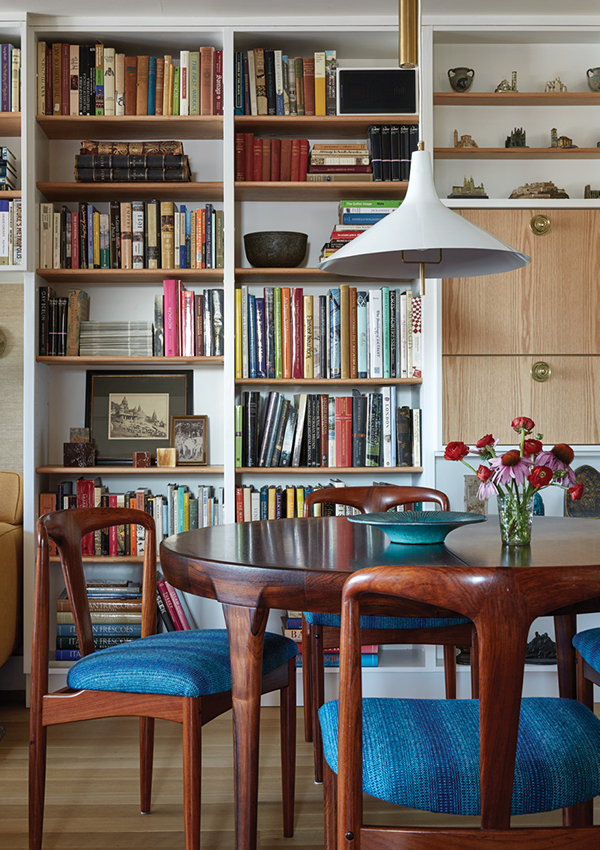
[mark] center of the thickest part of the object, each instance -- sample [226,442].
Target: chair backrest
[67,528]
[370,500]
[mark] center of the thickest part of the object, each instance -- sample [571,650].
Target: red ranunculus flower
[456,451]
[488,440]
[563,452]
[576,492]
[531,447]
[540,476]
[523,422]
[483,473]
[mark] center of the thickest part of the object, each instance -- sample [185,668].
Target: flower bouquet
[517,475]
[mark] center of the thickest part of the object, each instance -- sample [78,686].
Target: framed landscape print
[189,438]
[131,410]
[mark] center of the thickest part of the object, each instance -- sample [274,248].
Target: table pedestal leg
[246,629]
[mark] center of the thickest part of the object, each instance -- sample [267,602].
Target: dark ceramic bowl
[275,248]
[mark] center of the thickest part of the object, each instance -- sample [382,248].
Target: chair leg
[474,665]
[585,686]
[37,780]
[192,764]
[317,673]
[330,804]
[306,681]
[146,760]
[450,671]
[288,749]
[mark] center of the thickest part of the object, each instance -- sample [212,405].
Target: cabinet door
[550,305]
[483,395]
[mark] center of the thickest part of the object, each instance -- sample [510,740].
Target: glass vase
[515,520]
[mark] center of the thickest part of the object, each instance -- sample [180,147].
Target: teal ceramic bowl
[418,527]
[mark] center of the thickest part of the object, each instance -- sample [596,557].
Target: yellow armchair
[11,562]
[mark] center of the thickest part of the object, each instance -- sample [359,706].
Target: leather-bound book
[141,103]
[130,84]
[308,74]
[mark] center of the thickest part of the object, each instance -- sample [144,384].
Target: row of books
[187,323]
[94,79]
[355,216]
[292,628]
[8,169]
[338,159]
[179,510]
[391,147]
[131,235]
[349,333]
[270,160]
[319,430]
[10,78]
[116,613]
[269,82]
[130,168]
[11,232]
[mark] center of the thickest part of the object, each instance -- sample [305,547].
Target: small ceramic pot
[593,78]
[461,78]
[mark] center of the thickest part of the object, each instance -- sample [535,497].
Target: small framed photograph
[189,438]
[129,411]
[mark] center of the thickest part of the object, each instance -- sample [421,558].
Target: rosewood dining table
[302,564]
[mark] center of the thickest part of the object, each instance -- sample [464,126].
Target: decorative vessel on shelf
[593,78]
[275,248]
[517,475]
[461,79]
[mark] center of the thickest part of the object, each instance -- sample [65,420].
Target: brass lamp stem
[422,278]
[408,25]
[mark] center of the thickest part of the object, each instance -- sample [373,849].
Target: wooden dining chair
[322,631]
[182,675]
[493,757]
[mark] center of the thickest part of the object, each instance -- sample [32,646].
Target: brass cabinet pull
[541,371]
[539,224]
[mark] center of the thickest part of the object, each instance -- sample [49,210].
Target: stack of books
[292,628]
[339,162]
[180,510]
[131,235]
[391,147]
[354,217]
[10,78]
[270,159]
[269,82]
[318,430]
[11,232]
[93,79]
[188,324]
[121,168]
[349,333]
[173,610]
[116,613]
[8,169]
[116,339]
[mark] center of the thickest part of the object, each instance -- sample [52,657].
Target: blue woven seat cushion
[588,645]
[424,754]
[188,664]
[335,620]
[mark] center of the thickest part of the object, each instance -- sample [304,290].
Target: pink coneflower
[510,466]
[558,459]
[486,489]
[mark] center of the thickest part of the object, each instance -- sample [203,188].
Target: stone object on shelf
[142,459]
[465,141]
[79,435]
[593,78]
[468,189]
[555,85]
[166,457]
[473,504]
[79,454]
[546,189]
[517,139]
[506,86]
[591,194]
[461,79]
[275,248]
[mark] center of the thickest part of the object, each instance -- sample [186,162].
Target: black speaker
[376,91]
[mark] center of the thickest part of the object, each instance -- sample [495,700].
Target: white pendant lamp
[423,238]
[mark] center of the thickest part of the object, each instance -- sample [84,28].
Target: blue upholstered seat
[335,620]
[424,754]
[588,645]
[188,664]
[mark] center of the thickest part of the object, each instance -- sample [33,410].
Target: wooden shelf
[282,190]
[316,126]
[128,275]
[10,124]
[116,361]
[109,191]
[305,275]
[127,469]
[343,382]
[132,126]
[516,153]
[586,98]
[324,470]
[10,194]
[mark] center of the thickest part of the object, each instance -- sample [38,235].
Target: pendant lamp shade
[423,231]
